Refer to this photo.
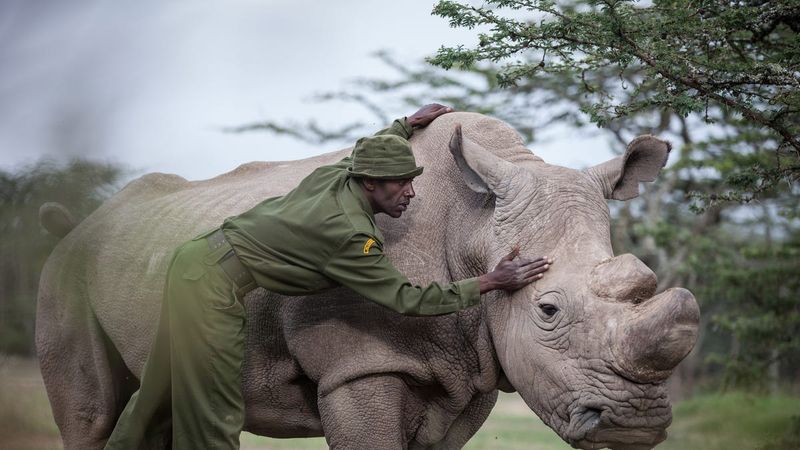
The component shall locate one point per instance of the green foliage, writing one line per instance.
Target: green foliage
(729, 63)
(761, 282)
(790, 439)
(24, 246)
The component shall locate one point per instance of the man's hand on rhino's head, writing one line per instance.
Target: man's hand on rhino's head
(426, 114)
(514, 272)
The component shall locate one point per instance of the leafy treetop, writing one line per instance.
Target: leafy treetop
(733, 63)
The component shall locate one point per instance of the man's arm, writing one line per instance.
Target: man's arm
(362, 266)
(405, 127)
(427, 114)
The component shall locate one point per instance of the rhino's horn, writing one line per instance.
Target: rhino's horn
(623, 278)
(657, 336)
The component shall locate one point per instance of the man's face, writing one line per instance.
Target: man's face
(390, 196)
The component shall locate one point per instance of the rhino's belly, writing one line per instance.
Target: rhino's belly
(281, 400)
(283, 410)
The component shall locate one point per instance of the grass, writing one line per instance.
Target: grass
(711, 422)
(26, 422)
(512, 425)
(733, 420)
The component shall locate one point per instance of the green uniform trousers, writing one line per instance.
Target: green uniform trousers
(190, 395)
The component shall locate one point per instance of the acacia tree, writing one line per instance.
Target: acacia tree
(736, 64)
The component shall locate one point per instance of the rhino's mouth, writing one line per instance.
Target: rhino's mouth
(589, 429)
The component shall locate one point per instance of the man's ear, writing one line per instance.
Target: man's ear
(368, 183)
(482, 171)
(619, 178)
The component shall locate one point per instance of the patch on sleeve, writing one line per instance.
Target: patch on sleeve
(368, 245)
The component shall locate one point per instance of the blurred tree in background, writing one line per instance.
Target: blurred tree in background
(720, 79)
(79, 185)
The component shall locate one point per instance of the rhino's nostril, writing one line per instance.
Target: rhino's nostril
(583, 421)
(591, 417)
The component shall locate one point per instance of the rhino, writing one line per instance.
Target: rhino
(588, 347)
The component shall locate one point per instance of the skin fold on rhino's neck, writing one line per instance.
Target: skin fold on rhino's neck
(469, 256)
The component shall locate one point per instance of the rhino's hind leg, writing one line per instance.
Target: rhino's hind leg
(369, 412)
(86, 381)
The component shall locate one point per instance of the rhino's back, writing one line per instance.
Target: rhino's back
(120, 253)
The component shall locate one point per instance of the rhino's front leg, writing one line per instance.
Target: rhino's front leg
(370, 412)
(469, 421)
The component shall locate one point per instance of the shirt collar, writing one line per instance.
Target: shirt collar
(360, 197)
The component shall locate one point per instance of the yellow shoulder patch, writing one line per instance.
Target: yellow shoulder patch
(368, 245)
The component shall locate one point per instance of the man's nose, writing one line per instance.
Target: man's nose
(410, 191)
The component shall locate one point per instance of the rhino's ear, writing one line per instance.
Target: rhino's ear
(483, 172)
(619, 178)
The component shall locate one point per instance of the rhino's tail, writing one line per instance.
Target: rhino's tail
(56, 219)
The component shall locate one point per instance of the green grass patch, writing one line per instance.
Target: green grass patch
(26, 421)
(734, 420)
(253, 442)
(503, 431)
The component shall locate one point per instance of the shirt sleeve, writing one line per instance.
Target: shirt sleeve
(362, 266)
(399, 127)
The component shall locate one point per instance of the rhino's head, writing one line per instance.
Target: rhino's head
(590, 345)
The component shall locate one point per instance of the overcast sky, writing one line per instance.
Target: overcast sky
(150, 83)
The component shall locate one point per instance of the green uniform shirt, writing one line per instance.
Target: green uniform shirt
(322, 234)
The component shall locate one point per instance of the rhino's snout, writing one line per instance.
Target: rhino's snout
(589, 430)
(658, 335)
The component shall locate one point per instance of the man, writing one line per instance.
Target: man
(320, 235)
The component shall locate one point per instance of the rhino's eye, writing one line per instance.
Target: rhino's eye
(548, 309)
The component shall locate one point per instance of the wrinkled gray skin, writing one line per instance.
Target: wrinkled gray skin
(366, 377)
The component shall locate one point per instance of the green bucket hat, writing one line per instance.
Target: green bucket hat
(385, 157)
